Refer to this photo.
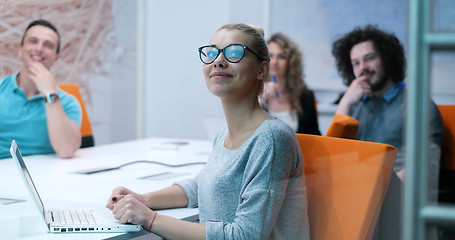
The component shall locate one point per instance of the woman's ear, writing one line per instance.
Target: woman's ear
(263, 70)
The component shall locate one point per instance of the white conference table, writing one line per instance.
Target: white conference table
(59, 185)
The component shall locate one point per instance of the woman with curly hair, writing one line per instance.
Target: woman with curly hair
(286, 95)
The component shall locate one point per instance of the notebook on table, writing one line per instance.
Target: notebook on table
(69, 220)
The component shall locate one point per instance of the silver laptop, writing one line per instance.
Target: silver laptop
(69, 220)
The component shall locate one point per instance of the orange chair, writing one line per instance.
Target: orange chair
(346, 183)
(447, 172)
(343, 126)
(86, 127)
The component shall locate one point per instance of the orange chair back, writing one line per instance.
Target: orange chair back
(346, 184)
(86, 126)
(343, 126)
(447, 164)
(448, 144)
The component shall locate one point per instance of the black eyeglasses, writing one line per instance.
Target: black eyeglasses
(232, 53)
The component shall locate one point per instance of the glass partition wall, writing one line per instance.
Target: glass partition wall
(431, 41)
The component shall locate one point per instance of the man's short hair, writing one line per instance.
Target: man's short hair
(44, 23)
(386, 44)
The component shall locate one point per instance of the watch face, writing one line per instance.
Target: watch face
(50, 98)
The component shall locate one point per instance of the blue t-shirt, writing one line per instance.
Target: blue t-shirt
(24, 120)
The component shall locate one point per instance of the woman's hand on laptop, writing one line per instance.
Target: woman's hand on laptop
(131, 210)
(118, 194)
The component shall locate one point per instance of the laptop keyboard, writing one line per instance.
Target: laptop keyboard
(77, 216)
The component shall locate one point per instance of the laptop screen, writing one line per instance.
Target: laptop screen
(17, 156)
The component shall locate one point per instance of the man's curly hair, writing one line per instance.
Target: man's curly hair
(386, 44)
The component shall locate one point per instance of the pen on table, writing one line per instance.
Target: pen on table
(277, 95)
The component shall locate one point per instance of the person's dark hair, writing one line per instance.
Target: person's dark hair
(386, 44)
(295, 84)
(44, 23)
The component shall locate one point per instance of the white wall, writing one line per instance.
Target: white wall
(113, 108)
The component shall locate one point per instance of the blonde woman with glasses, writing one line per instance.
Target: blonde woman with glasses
(253, 185)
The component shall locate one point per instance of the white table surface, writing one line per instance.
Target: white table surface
(59, 186)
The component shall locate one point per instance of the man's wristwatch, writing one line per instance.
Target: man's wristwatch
(51, 97)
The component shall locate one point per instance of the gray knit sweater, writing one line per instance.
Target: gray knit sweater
(254, 192)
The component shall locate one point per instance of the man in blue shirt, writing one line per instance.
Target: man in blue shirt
(372, 64)
(34, 112)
